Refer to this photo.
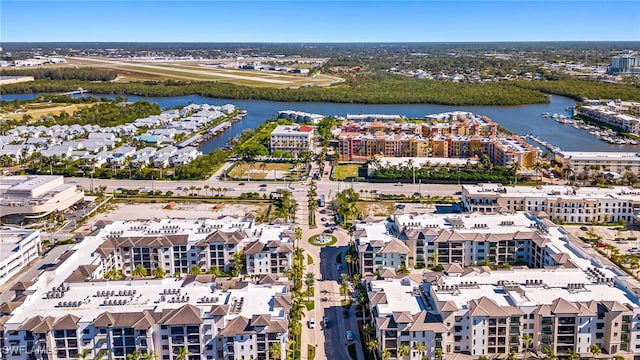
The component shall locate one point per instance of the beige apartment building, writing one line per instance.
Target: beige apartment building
(558, 203)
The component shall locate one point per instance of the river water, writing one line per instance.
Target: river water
(525, 119)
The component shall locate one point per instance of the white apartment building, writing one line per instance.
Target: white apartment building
(167, 317)
(28, 197)
(585, 161)
(613, 116)
(575, 299)
(292, 138)
(176, 246)
(18, 247)
(557, 202)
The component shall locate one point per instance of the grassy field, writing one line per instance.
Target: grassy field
(35, 110)
(345, 171)
(193, 71)
(257, 171)
(375, 208)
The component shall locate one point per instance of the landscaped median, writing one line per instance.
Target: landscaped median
(323, 240)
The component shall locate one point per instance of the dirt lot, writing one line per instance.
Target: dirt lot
(182, 211)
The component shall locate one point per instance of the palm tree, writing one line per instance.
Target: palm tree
(139, 271)
(83, 355)
(275, 350)
(367, 330)
(149, 355)
(237, 263)
(134, 355)
(214, 270)
(386, 354)
(206, 189)
(113, 274)
(349, 260)
(438, 353)
(182, 353)
(572, 355)
(527, 340)
(512, 355)
(195, 270)
(403, 350)
(158, 273)
(372, 346)
(309, 280)
(419, 348)
(595, 348)
(549, 354)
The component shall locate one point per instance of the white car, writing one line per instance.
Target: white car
(349, 335)
(312, 323)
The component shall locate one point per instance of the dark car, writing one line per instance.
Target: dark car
(263, 185)
(240, 184)
(345, 313)
(584, 228)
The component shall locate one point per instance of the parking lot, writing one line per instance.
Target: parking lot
(609, 233)
(181, 210)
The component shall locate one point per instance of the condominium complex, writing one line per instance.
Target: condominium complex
(173, 318)
(378, 249)
(292, 138)
(177, 246)
(18, 247)
(588, 162)
(27, 198)
(70, 307)
(612, 115)
(563, 296)
(556, 202)
(448, 135)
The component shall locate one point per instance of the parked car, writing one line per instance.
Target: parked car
(345, 313)
(349, 335)
(263, 185)
(326, 322)
(601, 245)
(312, 323)
(339, 267)
(323, 219)
(634, 249)
(240, 184)
(398, 184)
(623, 242)
(584, 228)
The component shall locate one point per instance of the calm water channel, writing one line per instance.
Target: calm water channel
(521, 120)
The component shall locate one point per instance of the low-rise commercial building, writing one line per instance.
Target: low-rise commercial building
(27, 198)
(557, 202)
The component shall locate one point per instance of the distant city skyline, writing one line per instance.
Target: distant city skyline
(318, 21)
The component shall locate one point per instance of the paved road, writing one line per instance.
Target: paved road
(31, 272)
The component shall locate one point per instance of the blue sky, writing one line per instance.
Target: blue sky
(318, 21)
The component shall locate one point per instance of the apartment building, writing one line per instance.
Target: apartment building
(171, 318)
(559, 203)
(378, 249)
(571, 301)
(513, 239)
(26, 198)
(176, 246)
(292, 138)
(590, 162)
(612, 115)
(447, 135)
(18, 247)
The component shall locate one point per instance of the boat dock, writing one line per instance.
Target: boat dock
(548, 146)
(198, 139)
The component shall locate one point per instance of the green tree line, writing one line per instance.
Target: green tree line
(82, 74)
(110, 113)
(386, 89)
(579, 89)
